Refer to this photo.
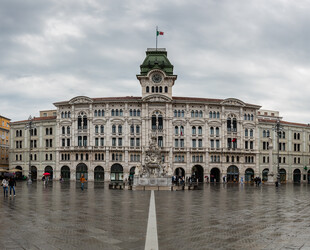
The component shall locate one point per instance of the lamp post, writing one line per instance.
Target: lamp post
(30, 126)
(278, 128)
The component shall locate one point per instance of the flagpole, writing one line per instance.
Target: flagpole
(156, 36)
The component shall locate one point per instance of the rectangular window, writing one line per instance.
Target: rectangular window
(51, 142)
(80, 141)
(246, 145)
(176, 143)
(182, 143)
(96, 142)
(84, 141)
(200, 143)
(68, 142)
(120, 142)
(63, 142)
(101, 142)
(217, 144)
(251, 144)
(212, 143)
(194, 143)
(113, 142)
(132, 142)
(137, 142)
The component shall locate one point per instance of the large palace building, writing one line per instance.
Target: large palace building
(106, 138)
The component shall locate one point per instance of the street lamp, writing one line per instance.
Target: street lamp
(278, 128)
(30, 126)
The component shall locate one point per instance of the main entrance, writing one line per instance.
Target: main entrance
(215, 175)
(179, 172)
(232, 174)
(297, 176)
(197, 173)
(99, 173)
(116, 172)
(65, 173)
(81, 168)
(249, 175)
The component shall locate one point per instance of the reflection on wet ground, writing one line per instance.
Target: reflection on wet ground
(62, 216)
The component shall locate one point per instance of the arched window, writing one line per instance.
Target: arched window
(182, 113)
(175, 113)
(182, 131)
(112, 112)
(283, 135)
(246, 132)
(62, 115)
(166, 89)
(113, 129)
(130, 112)
(193, 130)
(66, 114)
(196, 113)
(69, 114)
(200, 113)
(99, 112)
(138, 129)
(138, 112)
(268, 133)
(63, 130)
(251, 132)
(210, 114)
(193, 113)
(179, 113)
(249, 117)
(51, 131)
(252, 117)
(160, 89)
(211, 131)
(68, 130)
(152, 89)
(217, 131)
(227, 158)
(96, 129)
(147, 89)
(176, 130)
(17, 133)
(214, 114)
(264, 133)
(199, 130)
(120, 129)
(132, 129)
(245, 116)
(156, 88)
(121, 112)
(134, 112)
(116, 112)
(35, 131)
(218, 115)
(101, 129)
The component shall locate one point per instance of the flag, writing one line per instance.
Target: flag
(234, 139)
(160, 33)
(181, 133)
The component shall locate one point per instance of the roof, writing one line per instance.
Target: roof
(37, 119)
(156, 59)
(1, 116)
(285, 122)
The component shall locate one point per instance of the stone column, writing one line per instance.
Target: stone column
(271, 175)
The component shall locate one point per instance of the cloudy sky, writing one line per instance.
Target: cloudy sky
(257, 51)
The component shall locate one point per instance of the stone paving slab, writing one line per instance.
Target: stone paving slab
(62, 216)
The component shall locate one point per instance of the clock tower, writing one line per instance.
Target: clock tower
(156, 76)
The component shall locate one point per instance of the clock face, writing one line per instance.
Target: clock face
(156, 78)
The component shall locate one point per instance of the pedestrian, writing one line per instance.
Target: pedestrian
(82, 180)
(5, 185)
(12, 184)
(43, 179)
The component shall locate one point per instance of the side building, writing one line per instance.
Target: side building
(4, 142)
(34, 148)
(106, 138)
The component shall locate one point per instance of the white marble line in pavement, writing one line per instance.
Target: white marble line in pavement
(151, 241)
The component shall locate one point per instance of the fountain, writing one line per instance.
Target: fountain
(153, 175)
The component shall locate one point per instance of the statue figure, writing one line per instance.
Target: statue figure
(137, 170)
(169, 171)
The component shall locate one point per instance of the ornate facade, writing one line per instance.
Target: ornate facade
(106, 138)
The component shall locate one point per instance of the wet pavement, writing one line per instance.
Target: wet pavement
(229, 216)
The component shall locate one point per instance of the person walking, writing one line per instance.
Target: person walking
(12, 184)
(82, 180)
(5, 185)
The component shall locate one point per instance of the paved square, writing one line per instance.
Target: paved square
(61, 216)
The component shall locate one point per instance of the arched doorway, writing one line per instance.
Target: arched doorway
(215, 175)
(296, 176)
(265, 174)
(249, 175)
(99, 173)
(81, 168)
(19, 175)
(179, 172)
(49, 169)
(197, 173)
(34, 173)
(232, 174)
(282, 175)
(131, 175)
(117, 172)
(65, 172)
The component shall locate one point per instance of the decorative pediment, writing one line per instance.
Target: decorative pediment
(197, 122)
(214, 124)
(65, 123)
(134, 121)
(233, 102)
(117, 121)
(179, 122)
(157, 98)
(99, 121)
(80, 99)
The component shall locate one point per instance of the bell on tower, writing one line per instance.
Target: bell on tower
(156, 74)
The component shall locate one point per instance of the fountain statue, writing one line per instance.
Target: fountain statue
(153, 173)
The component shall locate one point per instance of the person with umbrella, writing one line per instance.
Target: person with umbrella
(45, 178)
